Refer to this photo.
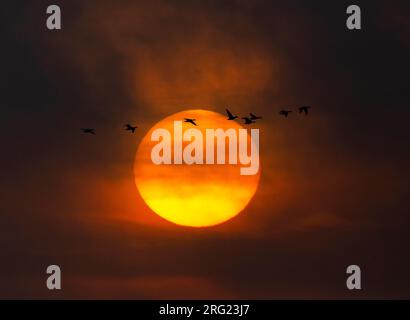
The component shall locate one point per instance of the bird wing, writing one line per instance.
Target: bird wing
(230, 115)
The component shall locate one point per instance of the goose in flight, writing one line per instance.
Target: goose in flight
(192, 121)
(88, 130)
(230, 115)
(129, 127)
(253, 117)
(248, 120)
(304, 109)
(284, 113)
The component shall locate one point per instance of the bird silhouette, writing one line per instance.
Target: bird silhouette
(284, 112)
(88, 130)
(304, 109)
(230, 115)
(129, 127)
(253, 117)
(248, 120)
(192, 121)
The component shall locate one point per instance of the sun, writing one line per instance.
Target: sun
(193, 195)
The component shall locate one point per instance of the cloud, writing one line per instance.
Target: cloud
(333, 189)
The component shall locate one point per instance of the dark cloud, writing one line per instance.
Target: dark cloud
(334, 187)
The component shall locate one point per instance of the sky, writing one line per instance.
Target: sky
(333, 188)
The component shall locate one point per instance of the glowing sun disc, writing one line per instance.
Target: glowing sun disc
(193, 195)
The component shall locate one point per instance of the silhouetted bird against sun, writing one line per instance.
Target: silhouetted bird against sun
(192, 121)
(304, 109)
(284, 113)
(88, 130)
(129, 127)
(230, 115)
(247, 120)
(253, 117)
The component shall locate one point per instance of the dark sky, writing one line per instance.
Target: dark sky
(334, 188)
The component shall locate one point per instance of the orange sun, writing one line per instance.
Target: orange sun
(193, 195)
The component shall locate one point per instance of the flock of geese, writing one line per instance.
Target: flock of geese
(247, 120)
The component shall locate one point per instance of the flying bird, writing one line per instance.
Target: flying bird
(192, 121)
(284, 112)
(304, 109)
(88, 130)
(248, 120)
(129, 127)
(230, 115)
(253, 117)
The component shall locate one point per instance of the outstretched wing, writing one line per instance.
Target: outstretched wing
(190, 121)
(230, 115)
